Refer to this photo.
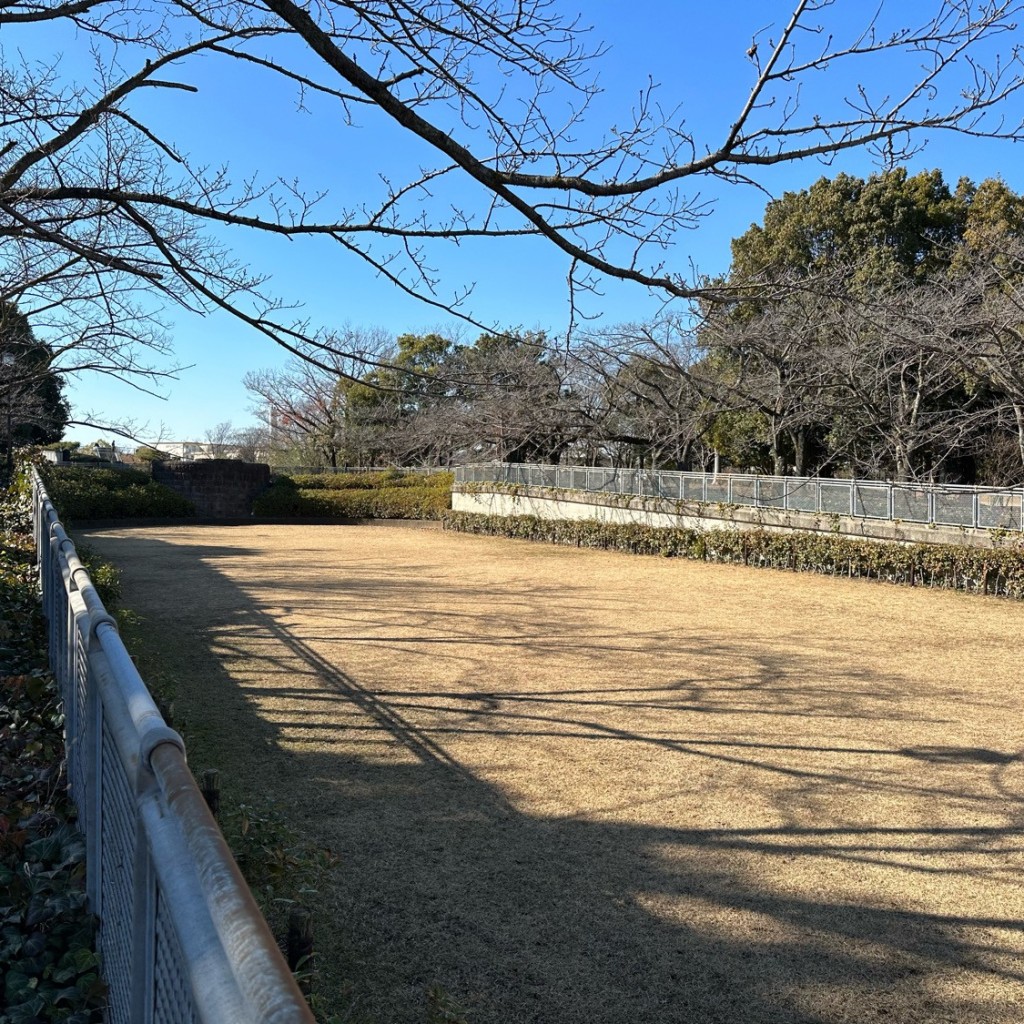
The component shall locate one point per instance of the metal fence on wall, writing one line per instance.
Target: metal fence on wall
(180, 937)
(942, 504)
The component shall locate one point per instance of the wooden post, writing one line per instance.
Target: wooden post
(300, 945)
(210, 786)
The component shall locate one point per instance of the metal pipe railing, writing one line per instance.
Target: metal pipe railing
(181, 937)
(942, 504)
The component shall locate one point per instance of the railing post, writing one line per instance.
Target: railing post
(91, 807)
(143, 962)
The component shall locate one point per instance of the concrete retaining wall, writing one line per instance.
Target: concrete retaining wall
(219, 488)
(552, 503)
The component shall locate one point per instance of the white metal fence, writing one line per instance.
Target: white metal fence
(942, 504)
(338, 470)
(181, 938)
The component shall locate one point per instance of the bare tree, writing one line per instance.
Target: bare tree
(898, 395)
(100, 210)
(880, 381)
(252, 444)
(640, 398)
(308, 406)
(219, 438)
(512, 401)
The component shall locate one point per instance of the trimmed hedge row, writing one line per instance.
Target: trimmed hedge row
(290, 497)
(997, 570)
(82, 493)
(388, 478)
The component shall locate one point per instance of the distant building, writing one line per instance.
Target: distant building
(195, 451)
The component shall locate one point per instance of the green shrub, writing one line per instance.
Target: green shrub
(388, 478)
(282, 498)
(976, 570)
(106, 578)
(404, 497)
(79, 493)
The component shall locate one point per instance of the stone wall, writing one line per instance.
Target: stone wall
(219, 488)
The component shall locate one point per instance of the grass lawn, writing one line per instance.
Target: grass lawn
(577, 786)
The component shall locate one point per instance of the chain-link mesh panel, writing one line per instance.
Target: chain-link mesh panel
(744, 491)
(802, 495)
(55, 591)
(954, 508)
(1000, 511)
(693, 488)
(871, 502)
(835, 497)
(626, 481)
(771, 493)
(911, 504)
(75, 724)
(172, 995)
(717, 489)
(603, 479)
(117, 854)
(671, 486)
(647, 484)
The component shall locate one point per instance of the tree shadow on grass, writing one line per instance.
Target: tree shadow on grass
(897, 899)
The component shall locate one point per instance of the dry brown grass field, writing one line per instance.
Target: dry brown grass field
(573, 786)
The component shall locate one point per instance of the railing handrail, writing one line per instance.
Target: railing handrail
(230, 961)
(957, 505)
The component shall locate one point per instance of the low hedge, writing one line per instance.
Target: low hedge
(80, 493)
(290, 497)
(996, 570)
(388, 478)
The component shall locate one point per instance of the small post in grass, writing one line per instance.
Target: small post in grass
(300, 946)
(210, 786)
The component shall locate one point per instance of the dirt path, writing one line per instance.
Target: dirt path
(573, 786)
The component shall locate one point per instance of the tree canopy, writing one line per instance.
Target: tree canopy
(102, 209)
(888, 343)
(32, 405)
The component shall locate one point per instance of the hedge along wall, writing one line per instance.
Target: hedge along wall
(219, 488)
(996, 570)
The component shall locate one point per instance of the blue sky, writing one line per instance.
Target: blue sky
(695, 51)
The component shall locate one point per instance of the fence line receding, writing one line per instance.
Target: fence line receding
(181, 939)
(941, 504)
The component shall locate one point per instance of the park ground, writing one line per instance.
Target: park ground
(575, 786)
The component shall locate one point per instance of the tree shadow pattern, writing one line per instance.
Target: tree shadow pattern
(674, 827)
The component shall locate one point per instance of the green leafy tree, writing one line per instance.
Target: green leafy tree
(32, 402)
(886, 228)
(849, 347)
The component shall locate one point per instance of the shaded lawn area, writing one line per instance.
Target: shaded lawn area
(576, 786)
